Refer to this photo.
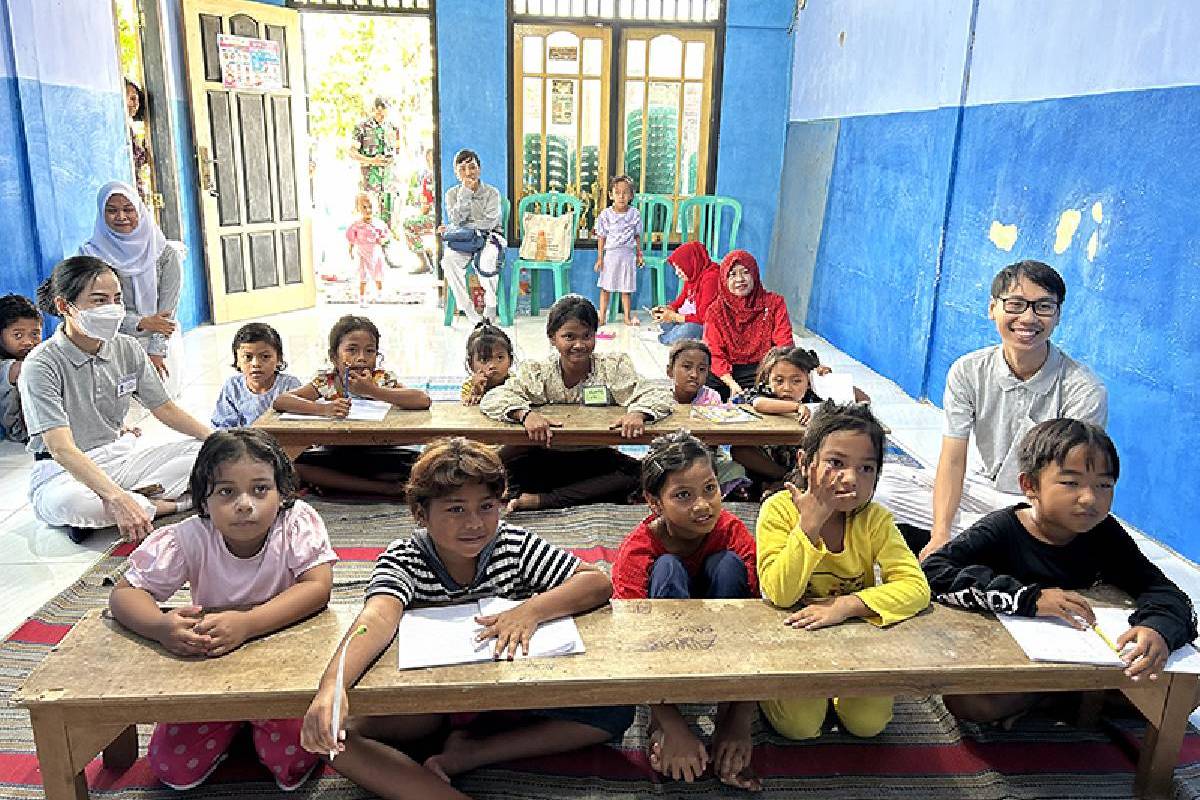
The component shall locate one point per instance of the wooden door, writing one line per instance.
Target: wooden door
(251, 151)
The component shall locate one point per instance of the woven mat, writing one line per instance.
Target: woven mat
(923, 753)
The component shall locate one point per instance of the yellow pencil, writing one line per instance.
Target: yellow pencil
(1107, 640)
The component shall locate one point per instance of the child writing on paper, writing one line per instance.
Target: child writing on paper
(353, 372)
(20, 332)
(254, 551)
(1027, 559)
(461, 552)
(562, 477)
(258, 358)
(619, 248)
(489, 359)
(819, 543)
(690, 547)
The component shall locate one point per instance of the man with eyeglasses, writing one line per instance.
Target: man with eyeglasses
(998, 393)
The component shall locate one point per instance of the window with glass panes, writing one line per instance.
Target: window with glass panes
(565, 138)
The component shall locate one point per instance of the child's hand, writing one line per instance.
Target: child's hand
(338, 408)
(1144, 651)
(360, 382)
(510, 629)
(599, 263)
(316, 732)
(160, 365)
(824, 612)
(803, 414)
(632, 425)
(823, 370)
(678, 754)
(538, 426)
(1070, 607)
(641, 262)
(226, 631)
(177, 632)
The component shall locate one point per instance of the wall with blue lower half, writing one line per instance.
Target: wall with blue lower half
(62, 131)
(1069, 139)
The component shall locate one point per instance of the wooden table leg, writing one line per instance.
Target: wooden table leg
(123, 750)
(294, 450)
(59, 778)
(1164, 738)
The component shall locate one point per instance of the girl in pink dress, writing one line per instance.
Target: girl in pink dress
(368, 235)
(254, 551)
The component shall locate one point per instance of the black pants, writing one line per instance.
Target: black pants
(567, 478)
(916, 538)
(744, 374)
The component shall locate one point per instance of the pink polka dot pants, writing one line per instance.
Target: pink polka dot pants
(183, 754)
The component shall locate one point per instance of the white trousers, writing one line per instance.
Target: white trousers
(59, 499)
(908, 494)
(454, 265)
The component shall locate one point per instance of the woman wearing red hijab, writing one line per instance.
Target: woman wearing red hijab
(683, 318)
(742, 324)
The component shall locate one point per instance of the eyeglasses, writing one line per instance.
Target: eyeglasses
(1017, 305)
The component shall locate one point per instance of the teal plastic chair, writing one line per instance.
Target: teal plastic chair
(658, 218)
(555, 204)
(704, 218)
(504, 307)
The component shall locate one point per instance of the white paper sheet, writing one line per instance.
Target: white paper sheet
(1051, 639)
(360, 409)
(835, 386)
(431, 637)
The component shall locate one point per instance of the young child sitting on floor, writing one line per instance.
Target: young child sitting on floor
(20, 332)
(819, 543)
(258, 358)
(561, 477)
(252, 546)
(690, 547)
(489, 359)
(688, 363)
(353, 373)
(462, 552)
(1029, 558)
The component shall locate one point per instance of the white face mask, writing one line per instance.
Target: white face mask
(100, 322)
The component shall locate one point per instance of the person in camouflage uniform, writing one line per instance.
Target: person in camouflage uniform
(375, 141)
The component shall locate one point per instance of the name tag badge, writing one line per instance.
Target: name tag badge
(596, 396)
(127, 385)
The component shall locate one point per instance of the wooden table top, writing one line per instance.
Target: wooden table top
(582, 425)
(637, 652)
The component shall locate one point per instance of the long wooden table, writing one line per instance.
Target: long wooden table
(86, 695)
(582, 425)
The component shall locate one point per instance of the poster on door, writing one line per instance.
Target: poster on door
(562, 102)
(249, 63)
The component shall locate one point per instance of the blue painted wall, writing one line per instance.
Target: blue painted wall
(62, 133)
(1069, 104)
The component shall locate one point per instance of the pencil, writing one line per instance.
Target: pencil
(1107, 640)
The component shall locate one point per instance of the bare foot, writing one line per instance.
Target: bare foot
(733, 746)
(454, 758)
(634, 321)
(525, 501)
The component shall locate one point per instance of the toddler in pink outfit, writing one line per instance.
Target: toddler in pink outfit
(256, 560)
(367, 235)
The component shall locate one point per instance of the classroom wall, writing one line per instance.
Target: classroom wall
(1071, 144)
(62, 131)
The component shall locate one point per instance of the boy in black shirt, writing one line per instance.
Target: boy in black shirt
(1026, 559)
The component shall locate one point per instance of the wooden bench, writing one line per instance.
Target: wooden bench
(582, 425)
(87, 694)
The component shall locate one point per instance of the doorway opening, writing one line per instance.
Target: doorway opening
(371, 128)
(127, 15)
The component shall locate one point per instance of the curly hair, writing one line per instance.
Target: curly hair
(14, 307)
(450, 464)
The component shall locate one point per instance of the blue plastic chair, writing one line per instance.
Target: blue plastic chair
(555, 204)
(503, 306)
(658, 218)
(704, 218)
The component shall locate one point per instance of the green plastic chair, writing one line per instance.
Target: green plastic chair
(703, 217)
(658, 217)
(555, 204)
(503, 305)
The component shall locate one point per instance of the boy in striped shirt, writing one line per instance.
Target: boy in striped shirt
(462, 552)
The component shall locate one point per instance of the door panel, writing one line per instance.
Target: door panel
(258, 240)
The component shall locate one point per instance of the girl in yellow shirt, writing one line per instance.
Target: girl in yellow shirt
(819, 542)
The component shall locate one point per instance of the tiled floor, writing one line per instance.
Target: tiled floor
(37, 562)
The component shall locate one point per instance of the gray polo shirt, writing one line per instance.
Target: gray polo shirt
(170, 282)
(62, 386)
(983, 395)
(479, 209)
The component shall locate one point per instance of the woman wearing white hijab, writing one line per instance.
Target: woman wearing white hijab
(149, 268)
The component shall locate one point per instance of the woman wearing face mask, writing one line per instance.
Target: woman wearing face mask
(150, 270)
(742, 325)
(89, 471)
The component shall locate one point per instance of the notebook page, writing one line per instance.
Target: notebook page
(556, 638)
(431, 637)
(1051, 639)
(835, 386)
(360, 408)
(1115, 621)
